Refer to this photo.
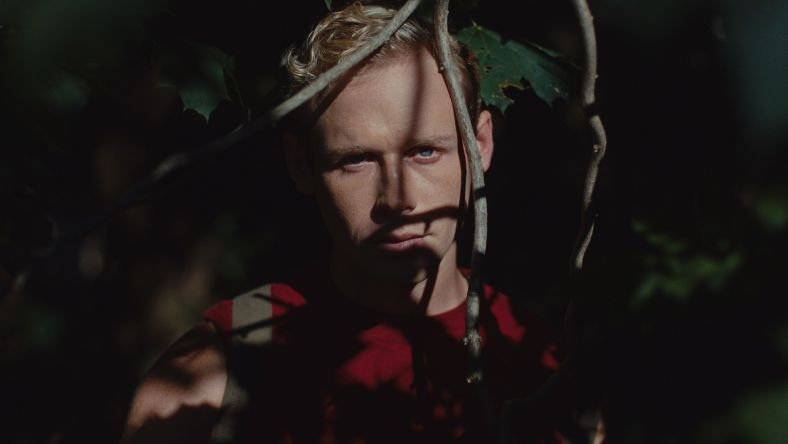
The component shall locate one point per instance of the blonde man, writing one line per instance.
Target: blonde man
(365, 346)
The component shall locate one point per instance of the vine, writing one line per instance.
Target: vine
(587, 96)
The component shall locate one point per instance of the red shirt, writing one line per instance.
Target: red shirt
(335, 372)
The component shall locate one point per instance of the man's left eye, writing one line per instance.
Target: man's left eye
(425, 152)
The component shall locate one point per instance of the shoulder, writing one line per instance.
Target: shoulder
(183, 391)
(253, 310)
(181, 397)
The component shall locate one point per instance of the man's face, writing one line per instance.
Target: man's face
(386, 169)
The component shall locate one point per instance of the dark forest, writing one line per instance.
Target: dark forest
(682, 331)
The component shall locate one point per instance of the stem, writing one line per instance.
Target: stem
(551, 395)
(179, 161)
(472, 338)
(452, 76)
(595, 123)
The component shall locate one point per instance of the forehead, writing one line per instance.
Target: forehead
(390, 102)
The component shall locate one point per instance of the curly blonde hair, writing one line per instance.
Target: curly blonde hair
(343, 32)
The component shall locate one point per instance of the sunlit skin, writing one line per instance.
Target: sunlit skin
(385, 168)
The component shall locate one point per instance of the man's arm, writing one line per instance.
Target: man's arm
(180, 397)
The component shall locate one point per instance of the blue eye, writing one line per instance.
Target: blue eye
(426, 152)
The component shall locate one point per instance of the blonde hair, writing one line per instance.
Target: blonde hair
(343, 32)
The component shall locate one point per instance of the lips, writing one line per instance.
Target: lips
(399, 242)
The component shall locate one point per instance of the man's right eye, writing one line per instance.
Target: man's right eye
(353, 161)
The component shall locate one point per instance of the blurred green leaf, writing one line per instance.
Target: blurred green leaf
(771, 210)
(199, 73)
(763, 416)
(511, 64)
(32, 326)
(58, 53)
(677, 271)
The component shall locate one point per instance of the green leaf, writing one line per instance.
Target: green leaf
(762, 415)
(198, 73)
(328, 4)
(512, 64)
(678, 271)
(771, 210)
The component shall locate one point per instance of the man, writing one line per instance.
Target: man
(366, 345)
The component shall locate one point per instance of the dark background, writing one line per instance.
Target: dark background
(683, 322)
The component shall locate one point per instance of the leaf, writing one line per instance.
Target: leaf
(512, 64)
(678, 271)
(328, 4)
(199, 74)
(761, 415)
(771, 210)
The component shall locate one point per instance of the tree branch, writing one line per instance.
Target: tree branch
(452, 76)
(472, 337)
(595, 122)
(180, 161)
(550, 394)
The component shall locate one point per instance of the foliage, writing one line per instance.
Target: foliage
(506, 64)
(685, 280)
(677, 271)
(200, 75)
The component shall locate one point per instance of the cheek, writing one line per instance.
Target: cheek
(452, 182)
(446, 192)
(345, 207)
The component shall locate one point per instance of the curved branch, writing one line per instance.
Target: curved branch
(452, 76)
(595, 123)
(552, 393)
(472, 338)
(179, 161)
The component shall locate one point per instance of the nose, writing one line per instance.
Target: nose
(395, 192)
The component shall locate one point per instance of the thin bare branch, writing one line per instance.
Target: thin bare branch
(452, 75)
(553, 387)
(335, 72)
(179, 161)
(595, 123)
(472, 338)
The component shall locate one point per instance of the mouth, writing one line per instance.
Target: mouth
(399, 242)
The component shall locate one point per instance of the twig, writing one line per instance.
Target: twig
(335, 72)
(595, 122)
(179, 161)
(452, 76)
(586, 21)
(472, 338)
(551, 390)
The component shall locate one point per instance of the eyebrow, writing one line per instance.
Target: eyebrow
(441, 141)
(334, 154)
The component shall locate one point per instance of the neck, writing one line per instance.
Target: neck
(428, 293)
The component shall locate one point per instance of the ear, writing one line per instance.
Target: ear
(298, 164)
(484, 138)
